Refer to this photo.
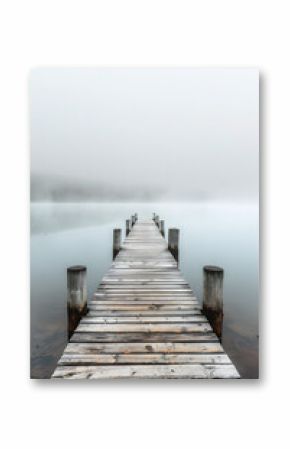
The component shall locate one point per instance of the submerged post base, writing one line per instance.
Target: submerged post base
(215, 319)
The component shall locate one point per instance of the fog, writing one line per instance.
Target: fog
(144, 134)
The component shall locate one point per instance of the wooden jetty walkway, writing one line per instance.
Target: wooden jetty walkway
(144, 321)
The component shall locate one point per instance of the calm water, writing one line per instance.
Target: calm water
(211, 234)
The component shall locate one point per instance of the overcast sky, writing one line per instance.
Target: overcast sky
(188, 133)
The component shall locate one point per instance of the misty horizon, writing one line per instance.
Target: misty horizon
(142, 134)
(50, 188)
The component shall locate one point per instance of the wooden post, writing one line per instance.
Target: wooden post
(136, 217)
(173, 242)
(128, 227)
(162, 230)
(213, 297)
(133, 220)
(76, 296)
(157, 220)
(153, 216)
(116, 242)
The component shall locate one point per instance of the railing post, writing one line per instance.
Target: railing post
(128, 227)
(133, 220)
(153, 218)
(173, 242)
(162, 229)
(116, 242)
(136, 217)
(76, 296)
(213, 297)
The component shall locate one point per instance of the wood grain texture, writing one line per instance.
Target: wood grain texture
(129, 348)
(144, 321)
(129, 337)
(147, 372)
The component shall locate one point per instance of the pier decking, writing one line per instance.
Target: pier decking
(144, 321)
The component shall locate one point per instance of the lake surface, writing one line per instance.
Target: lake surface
(64, 234)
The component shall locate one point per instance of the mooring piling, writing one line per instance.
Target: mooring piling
(128, 227)
(76, 296)
(173, 242)
(116, 241)
(162, 228)
(213, 297)
(157, 221)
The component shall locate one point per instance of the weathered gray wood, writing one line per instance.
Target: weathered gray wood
(116, 241)
(89, 319)
(142, 359)
(142, 313)
(130, 337)
(173, 242)
(143, 287)
(152, 279)
(140, 307)
(144, 320)
(128, 227)
(139, 301)
(147, 328)
(143, 296)
(157, 221)
(135, 348)
(174, 292)
(162, 228)
(213, 297)
(148, 372)
(76, 296)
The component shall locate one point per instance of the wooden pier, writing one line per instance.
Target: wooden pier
(144, 321)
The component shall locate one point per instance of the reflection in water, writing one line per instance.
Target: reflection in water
(211, 234)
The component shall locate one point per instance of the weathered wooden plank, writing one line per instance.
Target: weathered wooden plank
(145, 297)
(143, 286)
(129, 348)
(142, 320)
(133, 290)
(142, 272)
(147, 372)
(137, 297)
(139, 278)
(142, 264)
(150, 294)
(135, 337)
(142, 359)
(142, 302)
(175, 328)
(141, 313)
(143, 307)
(144, 275)
(141, 283)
